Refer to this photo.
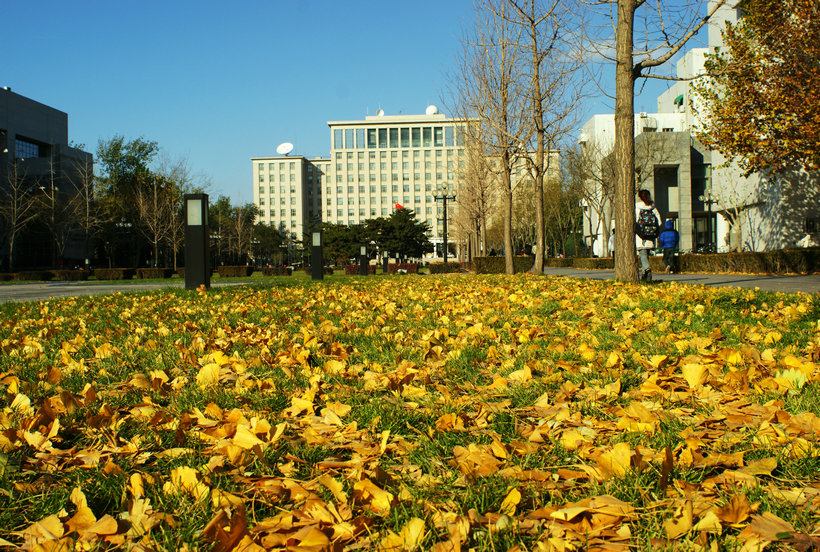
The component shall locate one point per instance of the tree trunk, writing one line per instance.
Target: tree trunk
(508, 209)
(626, 264)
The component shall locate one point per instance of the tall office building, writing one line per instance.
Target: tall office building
(374, 164)
(383, 160)
(288, 191)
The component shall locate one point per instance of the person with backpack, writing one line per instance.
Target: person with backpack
(669, 239)
(647, 226)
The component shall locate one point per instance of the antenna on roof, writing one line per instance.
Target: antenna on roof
(284, 148)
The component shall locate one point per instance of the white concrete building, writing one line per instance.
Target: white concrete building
(712, 203)
(386, 160)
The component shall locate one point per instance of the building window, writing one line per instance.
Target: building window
(416, 137)
(427, 137)
(382, 138)
(24, 149)
(438, 137)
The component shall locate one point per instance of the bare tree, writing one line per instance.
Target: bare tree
(476, 197)
(86, 215)
(549, 69)
(489, 99)
(666, 26)
(153, 205)
(17, 208)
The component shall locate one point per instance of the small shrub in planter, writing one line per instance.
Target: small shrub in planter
(153, 273)
(354, 269)
(114, 273)
(497, 265)
(35, 275)
(71, 275)
(445, 268)
(405, 268)
(593, 263)
(327, 271)
(277, 271)
(234, 271)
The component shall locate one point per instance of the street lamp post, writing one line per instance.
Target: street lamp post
(363, 260)
(197, 258)
(708, 200)
(444, 197)
(316, 262)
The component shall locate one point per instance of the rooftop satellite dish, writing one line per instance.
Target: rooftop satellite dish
(284, 148)
(431, 110)
(380, 113)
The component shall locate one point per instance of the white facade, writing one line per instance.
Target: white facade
(715, 203)
(288, 191)
(384, 160)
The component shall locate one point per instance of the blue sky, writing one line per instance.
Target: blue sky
(219, 82)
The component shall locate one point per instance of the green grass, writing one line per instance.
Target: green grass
(417, 379)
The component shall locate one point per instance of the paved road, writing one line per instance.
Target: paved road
(789, 284)
(49, 290)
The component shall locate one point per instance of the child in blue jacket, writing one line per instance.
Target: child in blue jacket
(669, 239)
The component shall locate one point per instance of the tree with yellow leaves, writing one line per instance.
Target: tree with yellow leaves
(760, 102)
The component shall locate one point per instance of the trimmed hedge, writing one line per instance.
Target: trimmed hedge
(152, 273)
(114, 273)
(591, 263)
(497, 265)
(7, 276)
(410, 268)
(446, 268)
(277, 271)
(234, 271)
(35, 275)
(71, 275)
(327, 271)
(354, 269)
(783, 261)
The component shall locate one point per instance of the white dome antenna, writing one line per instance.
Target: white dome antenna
(431, 110)
(380, 113)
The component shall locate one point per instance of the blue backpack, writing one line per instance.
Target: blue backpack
(647, 226)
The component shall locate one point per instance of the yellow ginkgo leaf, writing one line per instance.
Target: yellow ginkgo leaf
(694, 374)
(510, 501)
(208, 375)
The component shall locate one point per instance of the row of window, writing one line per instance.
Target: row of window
(395, 165)
(394, 177)
(383, 199)
(383, 189)
(291, 166)
(405, 154)
(396, 137)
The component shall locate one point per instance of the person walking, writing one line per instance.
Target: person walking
(647, 225)
(669, 239)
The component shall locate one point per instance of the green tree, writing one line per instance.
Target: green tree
(219, 223)
(124, 172)
(341, 242)
(267, 242)
(401, 234)
(760, 102)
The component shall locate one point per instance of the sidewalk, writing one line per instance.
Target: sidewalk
(809, 283)
(51, 290)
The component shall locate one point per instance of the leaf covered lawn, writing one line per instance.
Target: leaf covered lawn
(446, 413)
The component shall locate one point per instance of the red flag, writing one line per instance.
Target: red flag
(398, 206)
